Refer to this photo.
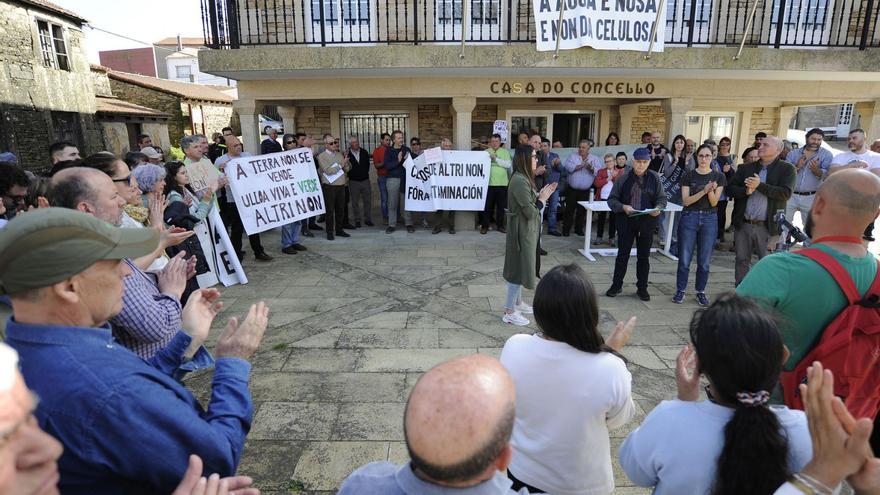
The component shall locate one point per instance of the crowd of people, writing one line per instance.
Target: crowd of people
(99, 265)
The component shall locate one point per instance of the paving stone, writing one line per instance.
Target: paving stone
(643, 356)
(294, 421)
(388, 338)
(339, 360)
(408, 359)
(270, 462)
(418, 319)
(370, 421)
(331, 387)
(381, 320)
(324, 465)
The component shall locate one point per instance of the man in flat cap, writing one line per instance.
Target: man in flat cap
(126, 425)
(637, 190)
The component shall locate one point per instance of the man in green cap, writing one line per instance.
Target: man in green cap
(126, 425)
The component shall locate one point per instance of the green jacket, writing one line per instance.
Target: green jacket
(523, 228)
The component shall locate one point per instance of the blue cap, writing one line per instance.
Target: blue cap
(641, 154)
(8, 157)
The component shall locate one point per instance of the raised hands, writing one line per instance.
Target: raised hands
(197, 316)
(621, 334)
(193, 483)
(687, 374)
(242, 340)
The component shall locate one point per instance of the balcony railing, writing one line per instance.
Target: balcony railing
(777, 23)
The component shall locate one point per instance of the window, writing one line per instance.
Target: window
(809, 14)
(65, 127)
(450, 12)
(52, 46)
(485, 11)
(331, 12)
(355, 12)
(183, 71)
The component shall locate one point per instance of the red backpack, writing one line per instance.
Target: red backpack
(849, 347)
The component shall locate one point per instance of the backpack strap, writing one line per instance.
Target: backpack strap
(873, 294)
(837, 272)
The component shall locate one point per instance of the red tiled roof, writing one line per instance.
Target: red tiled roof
(115, 105)
(183, 89)
(51, 7)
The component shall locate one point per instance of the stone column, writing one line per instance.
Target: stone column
(627, 114)
(250, 134)
(676, 110)
(869, 115)
(463, 106)
(785, 116)
(288, 118)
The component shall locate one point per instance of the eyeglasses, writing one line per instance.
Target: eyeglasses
(289, 142)
(704, 155)
(17, 199)
(126, 180)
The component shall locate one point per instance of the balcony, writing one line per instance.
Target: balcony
(777, 23)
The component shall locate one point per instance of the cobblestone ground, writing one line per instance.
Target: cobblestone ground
(354, 322)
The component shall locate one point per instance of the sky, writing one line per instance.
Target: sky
(146, 21)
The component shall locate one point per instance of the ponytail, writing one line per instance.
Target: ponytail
(754, 459)
(740, 351)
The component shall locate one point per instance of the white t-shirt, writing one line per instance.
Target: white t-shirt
(566, 401)
(676, 447)
(869, 157)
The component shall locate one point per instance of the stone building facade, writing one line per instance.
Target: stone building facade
(193, 108)
(46, 88)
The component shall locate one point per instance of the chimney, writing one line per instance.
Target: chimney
(179, 43)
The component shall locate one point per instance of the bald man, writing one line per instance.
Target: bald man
(760, 189)
(457, 426)
(804, 293)
(875, 146)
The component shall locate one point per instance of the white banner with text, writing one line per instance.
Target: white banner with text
(601, 24)
(447, 180)
(275, 189)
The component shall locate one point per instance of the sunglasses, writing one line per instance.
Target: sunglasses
(126, 180)
(289, 142)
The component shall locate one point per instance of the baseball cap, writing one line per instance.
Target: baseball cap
(48, 245)
(151, 152)
(641, 154)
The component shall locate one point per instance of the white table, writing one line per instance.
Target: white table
(592, 206)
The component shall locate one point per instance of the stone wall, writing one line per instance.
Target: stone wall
(435, 123)
(31, 92)
(650, 118)
(764, 119)
(485, 113)
(314, 121)
(819, 116)
(215, 117)
(178, 124)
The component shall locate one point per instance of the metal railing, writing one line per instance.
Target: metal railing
(777, 23)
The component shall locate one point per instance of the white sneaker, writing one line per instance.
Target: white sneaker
(515, 319)
(524, 309)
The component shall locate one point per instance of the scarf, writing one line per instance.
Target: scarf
(138, 213)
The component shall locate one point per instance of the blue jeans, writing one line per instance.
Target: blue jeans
(290, 234)
(514, 296)
(383, 195)
(698, 229)
(553, 206)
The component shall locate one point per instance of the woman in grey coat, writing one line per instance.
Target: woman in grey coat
(523, 226)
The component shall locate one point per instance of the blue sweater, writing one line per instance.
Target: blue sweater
(393, 166)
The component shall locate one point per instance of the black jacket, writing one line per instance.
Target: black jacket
(653, 195)
(781, 177)
(270, 145)
(177, 214)
(360, 168)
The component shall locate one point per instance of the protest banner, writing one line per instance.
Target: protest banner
(601, 24)
(500, 128)
(223, 265)
(202, 174)
(275, 189)
(458, 182)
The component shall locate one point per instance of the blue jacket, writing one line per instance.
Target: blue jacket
(126, 425)
(393, 166)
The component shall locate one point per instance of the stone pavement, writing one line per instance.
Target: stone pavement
(354, 322)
